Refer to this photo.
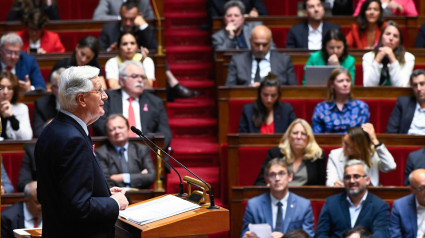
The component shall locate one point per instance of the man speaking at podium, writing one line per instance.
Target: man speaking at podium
(75, 198)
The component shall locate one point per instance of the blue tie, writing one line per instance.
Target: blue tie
(279, 218)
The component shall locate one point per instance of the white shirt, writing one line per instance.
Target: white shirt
(420, 210)
(3, 68)
(35, 45)
(29, 219)
(136, 108)
(274, 201)
(265, 67)
(417, 127)
(355, 211)
(315, 37)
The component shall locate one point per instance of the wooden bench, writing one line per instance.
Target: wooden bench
(316, 194)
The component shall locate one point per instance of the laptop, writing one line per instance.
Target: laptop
(318, 75)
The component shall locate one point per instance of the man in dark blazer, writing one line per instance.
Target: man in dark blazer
(130, 21)
(110, 10)
(402, 119)
(216, 8)
(138, 170)
(415, 160)
(28, 171)
(405, 211)
(298, 36)
(152, 118)
(24, 66)
(338, 211)
(241, 71)
(296, 211)
(72, 189)
(24, 214)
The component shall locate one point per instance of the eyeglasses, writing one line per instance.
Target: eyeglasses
(275, 175)
(355, 177)
(101, 91)
(135, 76)
(9, 52)
(419, 189)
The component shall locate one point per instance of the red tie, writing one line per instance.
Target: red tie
(35, 222)
(8, 68)
(131, 117)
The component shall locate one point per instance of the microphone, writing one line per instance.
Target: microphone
(141, 135)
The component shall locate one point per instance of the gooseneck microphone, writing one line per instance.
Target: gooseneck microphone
(141, 135)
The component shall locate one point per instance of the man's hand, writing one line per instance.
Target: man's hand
(6, 109)
(249, 234)
(112, 47)
(277, 234)
(145, 171)
(253, 13)
(139, 21)
(121, 200)
(144, 52)
(117, 190)
(255, 84)
(25, 86)
(117, 177)
(231, 30)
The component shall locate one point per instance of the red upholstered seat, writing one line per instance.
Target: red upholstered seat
(12, 164)
(70, 39)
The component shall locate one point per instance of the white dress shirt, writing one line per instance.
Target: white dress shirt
(274, 201)
(417, 127)
(136, 108)
(265, 67)
(355, 211)
(315, 37)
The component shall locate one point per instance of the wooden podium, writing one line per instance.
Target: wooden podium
(195, 223)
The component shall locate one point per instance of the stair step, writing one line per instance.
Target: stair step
(193, 127)
(189, 20)
(189, 54)
(191, 37)
(184, 5)
(201, 108)
(195, 70)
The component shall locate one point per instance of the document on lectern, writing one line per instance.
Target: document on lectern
(157, 209)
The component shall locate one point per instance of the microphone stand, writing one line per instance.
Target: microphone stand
(141, 135)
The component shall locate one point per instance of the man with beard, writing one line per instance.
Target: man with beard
(281, 209)
(355, 207)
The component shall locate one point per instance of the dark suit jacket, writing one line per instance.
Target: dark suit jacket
(28, 168)
(239, 72)
(44, 110)
(403, 222)
(402, 115)
(216, 7)
(153, 121)
(12, 218)
(415, 160)
(334, 218)
(111, 32)
(27, 65)
(420, 38)
(283, 115)
(71, 187)
(316, 171)
(298, 34)
(298, 213)
(139, 158)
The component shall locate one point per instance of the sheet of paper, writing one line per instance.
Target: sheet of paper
(261, 230)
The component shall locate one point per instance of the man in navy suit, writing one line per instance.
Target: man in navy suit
(24, 214)
(415, 160)
(355, 207)
(408, 213)
(72, 189)
(24, 66)
(281, 209)
(309, 34)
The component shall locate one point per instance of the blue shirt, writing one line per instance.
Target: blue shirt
(327, 118)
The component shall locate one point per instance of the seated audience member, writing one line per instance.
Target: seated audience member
(297, 234)
(267, 114)
(141, 108)
(334, 52)
(15, 119)
(357, 232)
(36, 38)
(309, 34)
(254, 8)
(6, 185)
(420, 38)
(124, 163)
(359, 143)
(415, 160)
(248, 68)
(389, 63)
(85, 53)
(365, 33)
(300, 151)
(393, 8)
(282, 210)
(27, 173)
(407, 115)
(339, 7)
(46, 108)
(340, 111)
(20, 63)
(110, 10)
(237, 32)
(354, 207)
(24, 214)
(21, 7)
(408, 213)
(128, 47)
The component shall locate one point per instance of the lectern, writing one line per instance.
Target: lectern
(195, 223)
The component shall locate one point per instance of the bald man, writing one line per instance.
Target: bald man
(408, 212)
(248, 68)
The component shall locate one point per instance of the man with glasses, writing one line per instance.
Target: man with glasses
(75, 197)
(354, 207)
(281, 209)
(24, 66)
(408, 213)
